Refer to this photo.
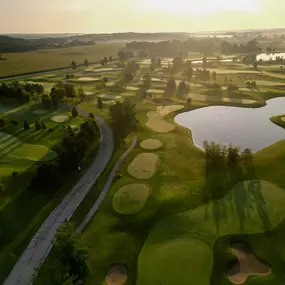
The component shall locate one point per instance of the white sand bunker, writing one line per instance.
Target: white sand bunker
(117, 275)
(283, 119)
(130, 199)
(239, 101)
(110, 97)
(143, 166)
(110, 84)
(155, 91)
(151, 144)
(88, 79)
(132, 88)
(156, 120)
(40, 112)
(247, 265)
(88, 93)
(60, 119)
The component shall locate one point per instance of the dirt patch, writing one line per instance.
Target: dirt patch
(60, 119)
(117, 275)
(143, 166)
(247, 265)
(130, 199)
(151, 144)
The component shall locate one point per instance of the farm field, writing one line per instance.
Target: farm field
(41, 60)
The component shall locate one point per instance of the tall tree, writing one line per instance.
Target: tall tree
(86, 63)
(74, 112)
(73, 65)
(99, 103)
(26, 125)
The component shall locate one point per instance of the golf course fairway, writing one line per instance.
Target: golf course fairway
(179, 248)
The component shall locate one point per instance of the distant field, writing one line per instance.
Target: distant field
(23, 62)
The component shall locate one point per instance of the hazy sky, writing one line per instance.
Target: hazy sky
(98, 16)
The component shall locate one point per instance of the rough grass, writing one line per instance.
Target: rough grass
(130, 199)
(143, 166)
(251, 207)
(151, 144)
(40, 60)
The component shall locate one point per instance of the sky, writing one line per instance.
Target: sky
(107, 16)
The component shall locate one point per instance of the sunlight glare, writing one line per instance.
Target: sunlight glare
(201, 6)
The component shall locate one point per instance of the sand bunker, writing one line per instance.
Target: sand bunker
(155, 91)
(283, 119)
(110, 97)
(247, 265)
(156, 120)
(132, 88)
(239, 101)
(60, 119)
(151, 144)
(40, 112)
(165, 110)
(88, 79)
(88, 93)
(130, 199)
(117, 275)
(143, 166)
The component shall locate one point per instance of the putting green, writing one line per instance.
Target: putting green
(12, 148)
(40, 112)
(60, 118)
(151, 144)
(143, 166)
(130, 199)
(179, 248)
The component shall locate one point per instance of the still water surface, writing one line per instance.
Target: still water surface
(242, 127)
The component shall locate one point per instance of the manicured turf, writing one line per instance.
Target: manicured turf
(130, 199)
(143, 166)
(179, 246)
(17, 63)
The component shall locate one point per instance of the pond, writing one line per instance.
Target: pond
(271, 56)
(242, 127)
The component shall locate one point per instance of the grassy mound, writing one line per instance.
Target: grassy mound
(180, 246)
(40, 112)
(143, 166)
(130, 199)
(151, 144)
(60, 118)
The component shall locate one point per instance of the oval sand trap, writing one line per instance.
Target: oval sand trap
(117, 275)
(132, 88)
(40, 112)
(165, 110)
(88, 93)
(60, 118)
(155, 91)
(247, 265)
(151, 144)
(143, 166)
(130, 199)
(88, 79)
(283, 119)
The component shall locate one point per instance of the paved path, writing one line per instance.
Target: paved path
(41, 244)
(107, 186)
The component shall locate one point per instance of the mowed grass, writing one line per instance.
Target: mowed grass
(179, 247)
(41, 60)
